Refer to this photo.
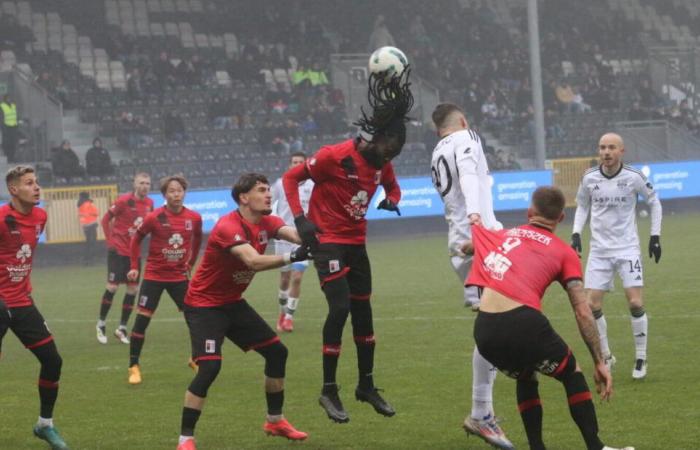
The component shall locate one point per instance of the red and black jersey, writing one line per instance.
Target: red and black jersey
(521, 262)
(222, 277)
(19, 234)
(344, 186)
(175, 241)
(128, 211)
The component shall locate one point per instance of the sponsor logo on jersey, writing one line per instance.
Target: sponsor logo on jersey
(24, 253)
(175, 240)
(175, 253)
(137, 223)
(596, 188)
(358, 205)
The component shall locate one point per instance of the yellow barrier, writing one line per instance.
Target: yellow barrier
(567, 174)
(61, 205)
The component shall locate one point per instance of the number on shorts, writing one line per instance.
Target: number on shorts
(635, 267)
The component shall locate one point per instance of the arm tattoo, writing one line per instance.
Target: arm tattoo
(584, 318)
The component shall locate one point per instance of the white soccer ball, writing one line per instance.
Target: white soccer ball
(387, 61)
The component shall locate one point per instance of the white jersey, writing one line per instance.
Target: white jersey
(612, 203)
(280, 206)
(461, 176)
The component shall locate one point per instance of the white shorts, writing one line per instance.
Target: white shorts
(600, 272)
(282, 247)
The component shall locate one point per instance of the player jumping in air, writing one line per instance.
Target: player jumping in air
(291, 275)
(610, 193)
(21, 224)
(460, 174)
(514, 268)
(119, 225)
(176, 235)
(346, 176)
(215, 308)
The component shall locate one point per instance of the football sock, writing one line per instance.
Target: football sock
(101, 323)
(49, 375)
(331, 353)
(138, 335)
(640, 326)
(189, 421)
(582, 409)
(530, 408)
(363, 334)
(127, 307)
(337, 294)
(602, 331)
(282, 297)
(183, 439)
(44, 422)
(483, 376)
(105, 304)
(275, 400)
(290, 307)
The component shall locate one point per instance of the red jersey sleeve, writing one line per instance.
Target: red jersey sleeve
(320, 166)
(571, 266)
(273, 225)
(229, 235)
(290, 183)
(391, 186)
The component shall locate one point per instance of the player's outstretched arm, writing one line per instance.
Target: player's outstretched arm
(257, 262)
(289, 234)
(589, 332)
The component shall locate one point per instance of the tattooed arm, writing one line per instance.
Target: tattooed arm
(584, 318)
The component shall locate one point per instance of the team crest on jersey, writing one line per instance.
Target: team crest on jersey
(333, 266)
(377, 177)
(262, 237)
(621, 184)
(175, 240)
(24, 252)
(188, 225)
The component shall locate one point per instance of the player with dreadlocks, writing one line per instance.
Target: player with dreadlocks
(346, 175)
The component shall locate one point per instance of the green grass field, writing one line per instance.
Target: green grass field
(424, 345)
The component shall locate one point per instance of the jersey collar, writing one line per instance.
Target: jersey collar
(613, 175)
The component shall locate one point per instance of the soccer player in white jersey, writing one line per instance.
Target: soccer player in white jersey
(610, 193)
(461, 176)
(291, 274)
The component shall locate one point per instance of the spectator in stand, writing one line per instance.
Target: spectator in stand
(134, 130)
(565, 96)
(577, 104)
(88, 214)
(189, 71)
(309, 127)
(65, 162)
(220, 113)
(134, 85)
(174, 127)
(164, 71)
(97, 160)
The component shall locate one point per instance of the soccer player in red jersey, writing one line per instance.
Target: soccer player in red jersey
(215, 308)
(346, 176)
(21, 224)
(119, 225)
(176, 235)
(514, 268)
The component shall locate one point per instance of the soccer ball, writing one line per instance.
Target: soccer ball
(387, 61)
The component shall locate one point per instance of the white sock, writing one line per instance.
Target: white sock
(282, 296)
(483, 376)
(603, 332)
(42, 422)
(101, 323)
(471, 295)
(183, 439)
(292, 303)
(640, 327)
(274, 418)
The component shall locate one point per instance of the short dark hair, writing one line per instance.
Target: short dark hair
(165, 181)
(245, 183)
(16, 173)
(442, 112)
(549, 201)
(297, 154)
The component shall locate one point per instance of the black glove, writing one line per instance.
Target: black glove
(389, 206)
(307, 232)
(655, 248)
(299, 254)
(576, 243)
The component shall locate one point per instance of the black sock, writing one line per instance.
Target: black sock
(48, 392)
(330, 367)
(106, 304)
(530, 409)
(189, 421)
(582, 409)
(365, 361)
(138, 336)
(127, 307)
(275, 400)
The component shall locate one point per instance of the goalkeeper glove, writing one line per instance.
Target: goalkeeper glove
(655, 248)
(389, 206)
(576, 243)
(307, 232)
(299, 254)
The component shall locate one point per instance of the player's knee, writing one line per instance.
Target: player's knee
(206, 374)
(275, 359)
(112, 288)
(131, 289)
(637, 308)
(570, 367)
(141, 323)
(51, 364)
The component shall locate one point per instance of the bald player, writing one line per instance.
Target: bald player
(610, 192)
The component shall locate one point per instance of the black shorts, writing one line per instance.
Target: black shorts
(118, 266)
(238, 322)
(335, 261)
(520, 342)
(29, 326)
(151, 291)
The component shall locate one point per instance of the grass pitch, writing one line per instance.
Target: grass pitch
(423, 357)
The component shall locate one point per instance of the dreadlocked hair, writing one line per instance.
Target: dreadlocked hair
(390, 101)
